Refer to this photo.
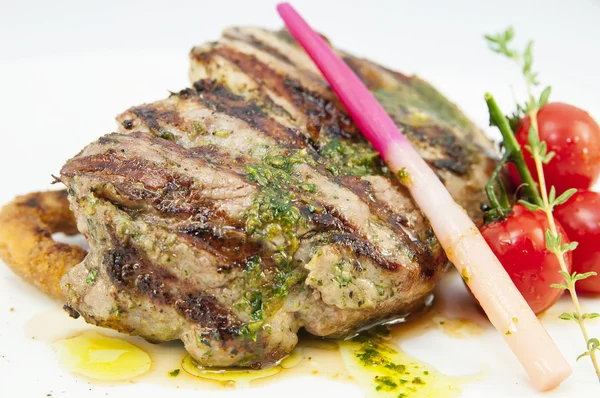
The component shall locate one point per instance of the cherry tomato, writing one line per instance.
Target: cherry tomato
(580, 217)
(519, 243)
(575, 138)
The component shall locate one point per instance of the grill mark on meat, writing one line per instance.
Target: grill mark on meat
(260, 72)
(273, 104)
(106, 140)
(205, 310)
(111, 164)
(326, 221)
(209, 85)
(373, 81)
(173, 119)
(212, 155)
(364, 190)
(168, 193)
(329, 115)
(248, 64)
(128, 268)
(161, 188)
(457, 158)
(285, 35)
(321, 112)
(229, 245)
(259, 45)
(363, 247)
(218, 98)
(166, 202)
(149, 115)
(330, 219)
(450, 165)
(204, 230)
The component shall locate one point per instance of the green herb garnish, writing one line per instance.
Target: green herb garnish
(91, 278)
(167, 135)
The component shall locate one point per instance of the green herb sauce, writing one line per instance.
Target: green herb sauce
(384, 371)
(419, 97)
(92, 275)
(352, 158)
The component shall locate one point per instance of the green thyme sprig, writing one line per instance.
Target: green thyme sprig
(502, 43)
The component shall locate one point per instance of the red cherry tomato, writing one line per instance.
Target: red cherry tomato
(575, 138)
(580, 217)
(519, 243)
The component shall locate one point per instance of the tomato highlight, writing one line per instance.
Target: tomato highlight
(519, 243)
(580, 217)
(574, 137)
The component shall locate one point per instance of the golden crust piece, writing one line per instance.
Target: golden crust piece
(26, 244)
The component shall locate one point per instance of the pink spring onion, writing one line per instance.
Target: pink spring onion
(460, 238)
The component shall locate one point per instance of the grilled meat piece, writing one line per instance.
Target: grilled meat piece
(236, 212)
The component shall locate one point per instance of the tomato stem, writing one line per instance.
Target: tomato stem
(513, 149)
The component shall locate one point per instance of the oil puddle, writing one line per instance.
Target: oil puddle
(312, 357)
(239, 378)
(103, 358)
(373, 360)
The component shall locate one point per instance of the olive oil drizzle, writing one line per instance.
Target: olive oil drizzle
(102, 358)
(372, 360)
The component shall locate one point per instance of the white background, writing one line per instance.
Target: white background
(67, 68)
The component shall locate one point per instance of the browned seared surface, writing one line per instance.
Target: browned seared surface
(239, 210)
(272, 68)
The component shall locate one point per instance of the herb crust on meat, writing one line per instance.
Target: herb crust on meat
(248, 206)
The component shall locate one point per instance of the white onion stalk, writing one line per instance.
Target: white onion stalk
(465, 247)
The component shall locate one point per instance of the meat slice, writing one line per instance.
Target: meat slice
(235, 212)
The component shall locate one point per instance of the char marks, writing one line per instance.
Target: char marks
(258, 44)
(220, 153)
(323, 114)
(206, 311)
(236, 211)
(128, 268)
(218, 98)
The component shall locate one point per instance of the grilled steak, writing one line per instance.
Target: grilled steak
(237, 211)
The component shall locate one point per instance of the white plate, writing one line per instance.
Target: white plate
(67, 68)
